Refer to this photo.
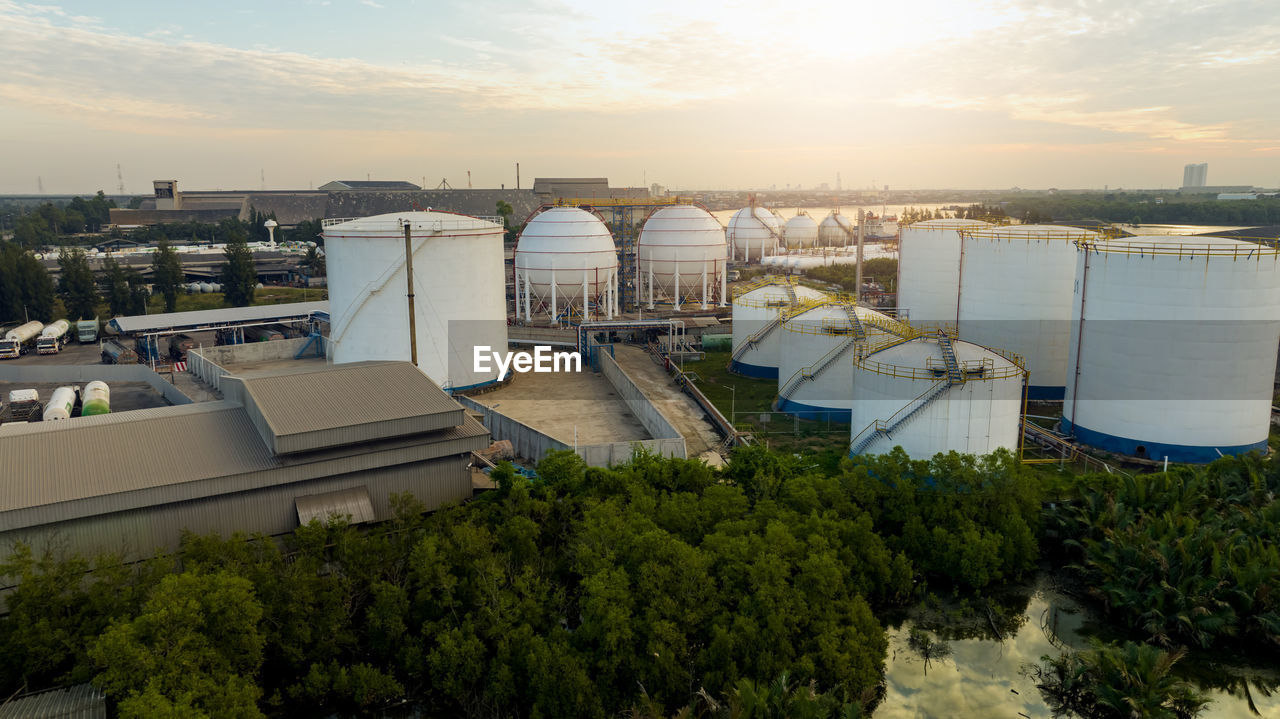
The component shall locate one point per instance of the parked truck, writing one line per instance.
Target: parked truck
(179, 345)
(115, 353)
(53, 338)
(16, 341)
(87, 331)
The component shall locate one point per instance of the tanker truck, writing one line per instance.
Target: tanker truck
(53, 338)
(16, 340)
(87, 331)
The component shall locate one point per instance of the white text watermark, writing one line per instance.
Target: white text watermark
(542, 359)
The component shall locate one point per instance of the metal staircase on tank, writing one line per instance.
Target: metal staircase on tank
(791, 293)
(857, 334)
(759, 335)
(955, 376)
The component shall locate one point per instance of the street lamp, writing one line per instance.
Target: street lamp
(733, 405)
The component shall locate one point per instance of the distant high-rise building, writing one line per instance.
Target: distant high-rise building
(1195, 175)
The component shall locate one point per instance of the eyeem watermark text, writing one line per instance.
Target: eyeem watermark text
(542, 359)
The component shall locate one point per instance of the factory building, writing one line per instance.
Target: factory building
(1173, 351)
(281, 449)
(459, 300)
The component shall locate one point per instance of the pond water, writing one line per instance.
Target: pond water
(983, 677)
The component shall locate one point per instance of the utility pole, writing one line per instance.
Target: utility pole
(862, 223)
(408, 271)
(517, 175)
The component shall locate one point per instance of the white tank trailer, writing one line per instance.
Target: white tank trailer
(800, 232)
(12, 344)
(96, 399)
(929, 271)
(459, 295)
(935, 394)
(757, 318)
(681, 256)
(60, 404)
(52, 337)
(815, 371)
(1015, 294)
(1173, 349)
(566, 265)
(753, 234)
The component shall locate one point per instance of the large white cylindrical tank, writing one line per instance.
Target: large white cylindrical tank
(1173, 352)
(96, 399)
(57, 328)
(459, 288)
(61, 402)
(906, 399)
(25, 332)
(815, 367)
(836, 230)
(681, 254)
(566, 266)
(206, 288)
(929, 270)
(800, 231)
(753, 233)
(756, 325)
(1015, 294)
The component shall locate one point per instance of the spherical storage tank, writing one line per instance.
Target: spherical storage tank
(756, 323)
(459, 288)
(566, 261)
(681, 253)
(815, 366)
(1015, 294)
(910, 395)
(753, 233)
(801, 231)
(1174, 348)
(929, 270)
(836, 230)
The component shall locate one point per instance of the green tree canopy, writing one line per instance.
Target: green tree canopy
(77, 285)
(239, 274)
(167, 274)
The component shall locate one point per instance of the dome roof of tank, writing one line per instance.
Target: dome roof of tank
(682, 225)
(426, 220)
(743, 217)
(564, 229)
(948, 223)
(802, 221)
(917, 352)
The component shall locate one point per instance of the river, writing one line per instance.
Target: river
(983, 677)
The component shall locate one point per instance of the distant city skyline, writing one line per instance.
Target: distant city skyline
(935, 94)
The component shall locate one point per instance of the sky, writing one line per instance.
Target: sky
(290, 94)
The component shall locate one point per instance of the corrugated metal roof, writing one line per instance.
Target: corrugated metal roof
(81, 701)
(353, 503)
(303, 410)
(222, 316)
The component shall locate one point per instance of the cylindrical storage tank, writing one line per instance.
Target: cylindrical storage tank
(1015, 294)
(192, 287)
(25, 332)
(96, 399)
(215, 287)
(681, 255)
(459, 288)
(566, 266)
(56, 328)
(205, 287)
(753, 233)
(61, 402)
(929, 270)
(815, 370)
(801, 231)
(756, 324)
(907, 397)
(1173, 351)
(836, 230)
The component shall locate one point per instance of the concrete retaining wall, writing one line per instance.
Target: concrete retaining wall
(79, 374)
(208, 371)
(526, 441)
(667, 440)
(226, 355)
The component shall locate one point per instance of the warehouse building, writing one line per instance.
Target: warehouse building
(281, 449)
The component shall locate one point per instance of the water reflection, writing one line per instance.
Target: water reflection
(982, 675)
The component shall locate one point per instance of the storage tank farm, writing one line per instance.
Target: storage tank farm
(836, 230)
(458, 283)
(566, 266)
(929, 270)
(936, 394)
(680, 257)
(800, 232)
(758, 312)
(1173, 351)
(1015, 288)
(815, 366)
(753, 233)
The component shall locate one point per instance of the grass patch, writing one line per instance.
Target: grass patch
(215, 300)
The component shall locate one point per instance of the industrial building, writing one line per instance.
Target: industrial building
(280, 449)
(457, 288)
(1173, 352)
(1195, 175)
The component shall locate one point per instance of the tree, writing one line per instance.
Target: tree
(115, 288)
(314, 262)
(26, 290)
(1117, 682)
(505, 211)
(194, 650)
(239, 274)
(77, 285)
(167, 274)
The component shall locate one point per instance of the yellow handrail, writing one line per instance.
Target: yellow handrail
(1190, 250)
